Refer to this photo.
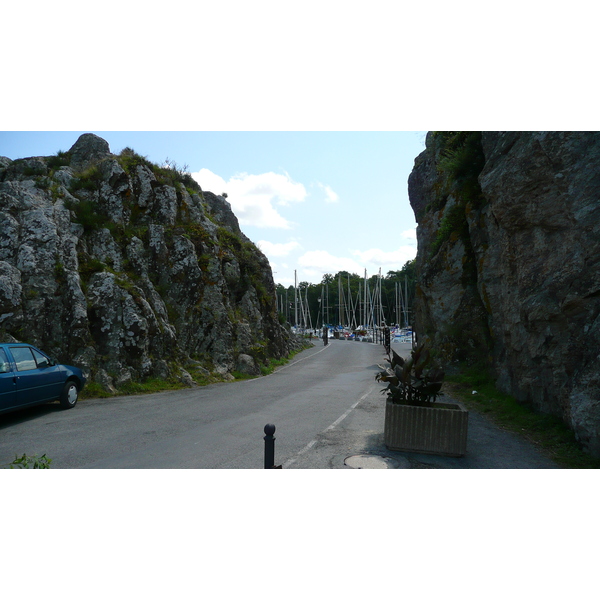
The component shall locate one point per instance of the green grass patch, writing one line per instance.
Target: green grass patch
(89, 180)
(154, 385)
(547, 432)
(272, 364)
(60, 159)
(149, 386)
(268, 368)
(168, 174)
(94, 390)
(239, 376)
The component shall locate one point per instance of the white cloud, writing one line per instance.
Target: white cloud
(252, 197)
(272, 185)
(316, 263)
(375, 258)
(285, 281)
(271, 249)
(320, 261)
(410, 234)
(210, 181)
(330, 195)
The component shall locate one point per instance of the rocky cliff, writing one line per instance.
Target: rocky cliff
(130, 270)
(509, 263)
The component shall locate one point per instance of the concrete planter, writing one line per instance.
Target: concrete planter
(438, 429)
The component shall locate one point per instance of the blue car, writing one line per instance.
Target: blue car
(29, 377)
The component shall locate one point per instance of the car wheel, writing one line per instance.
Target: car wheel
(69, 395)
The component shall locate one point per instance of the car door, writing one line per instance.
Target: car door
(8, 382)
(50, 376)
(34, 384)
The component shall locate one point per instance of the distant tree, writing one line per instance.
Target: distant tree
(324, 298)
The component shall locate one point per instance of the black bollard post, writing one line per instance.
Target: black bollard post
(269, 446)
(386, 340)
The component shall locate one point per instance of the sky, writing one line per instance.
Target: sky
(245, 74)
(313, 202)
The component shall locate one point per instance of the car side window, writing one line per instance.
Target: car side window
(23, 359)
(4, 366)
(40, 359)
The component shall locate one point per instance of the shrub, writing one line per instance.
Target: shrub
(87, 215)
(412, 381)
(89, 180)
(462, 161)
(169, 173)
(454, 221)
(31, 462)
(129, 160)
(61, 159)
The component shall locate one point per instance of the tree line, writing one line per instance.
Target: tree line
(350, 300)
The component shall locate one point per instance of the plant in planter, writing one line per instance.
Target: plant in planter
(414, 421)
(410, 381)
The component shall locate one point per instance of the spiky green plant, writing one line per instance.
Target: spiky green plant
(413, 381)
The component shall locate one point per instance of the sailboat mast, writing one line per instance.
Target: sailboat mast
(358, 303)
(365, 301)
(339, 299)
(406, 298)
(379, 320)
(396, 313)
(295, 299)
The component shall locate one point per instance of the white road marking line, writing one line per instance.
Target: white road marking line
(310, 444)
(338, 421)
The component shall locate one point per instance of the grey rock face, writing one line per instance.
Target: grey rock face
(523, 285)
(247, 365)
(89, 148)
(10, 292)
(109, 263)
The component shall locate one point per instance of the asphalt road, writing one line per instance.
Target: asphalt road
(212, 427)
(325, 404)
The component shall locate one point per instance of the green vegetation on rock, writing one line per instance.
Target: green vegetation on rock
(460, 162)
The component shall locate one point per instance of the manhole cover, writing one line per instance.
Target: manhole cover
(373, 461)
